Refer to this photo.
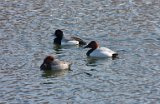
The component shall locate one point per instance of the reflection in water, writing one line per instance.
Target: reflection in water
(92, 61)
(51, 73)
(58, 49)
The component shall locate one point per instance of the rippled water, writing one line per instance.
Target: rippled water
(130, 27)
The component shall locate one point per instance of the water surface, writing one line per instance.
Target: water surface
(130, 27)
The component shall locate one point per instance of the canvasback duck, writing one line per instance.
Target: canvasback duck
(60, 40)
(50, 63)
(101, 52)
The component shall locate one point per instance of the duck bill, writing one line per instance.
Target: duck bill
(86, 46)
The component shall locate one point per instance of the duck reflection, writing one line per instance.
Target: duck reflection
(58, 49)
(95, 61)
(91, 61)
(53, 74)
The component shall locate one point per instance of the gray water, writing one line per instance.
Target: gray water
(130, 27)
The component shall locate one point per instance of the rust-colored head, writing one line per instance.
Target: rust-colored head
(46, 65)
(48, 59)
(93, 45)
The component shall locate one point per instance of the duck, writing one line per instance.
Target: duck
(60, 40)
(50, 63)
(101, 52)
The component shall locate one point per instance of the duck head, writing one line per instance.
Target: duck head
(59, 34)
(93, 45)
(46, 65)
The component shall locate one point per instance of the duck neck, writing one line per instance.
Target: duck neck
(57, 41)
(89, 52)
(45, 66)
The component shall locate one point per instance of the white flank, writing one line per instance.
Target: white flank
(60, 65)
(102, 52)
(69, 42)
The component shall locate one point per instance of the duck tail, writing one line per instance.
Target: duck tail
(115, 55)
(81, 42)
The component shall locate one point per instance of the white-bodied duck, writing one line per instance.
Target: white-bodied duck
(50, 63)
(60, 40)
(101, 52)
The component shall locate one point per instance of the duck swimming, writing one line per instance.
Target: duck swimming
(50, 63)
(101, 52)
(60, 40)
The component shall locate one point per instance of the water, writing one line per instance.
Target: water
(130, 27)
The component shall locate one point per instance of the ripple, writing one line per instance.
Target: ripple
(129, 27)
